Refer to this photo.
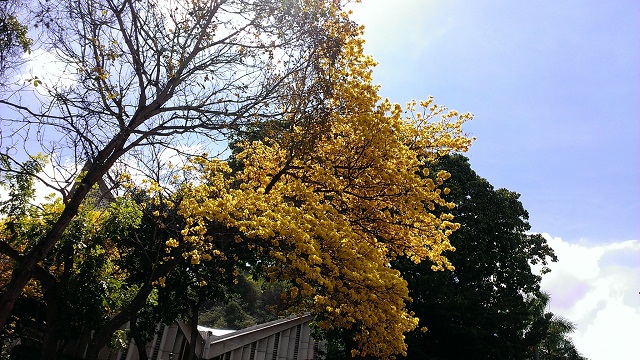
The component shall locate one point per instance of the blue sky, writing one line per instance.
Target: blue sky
(555, 90)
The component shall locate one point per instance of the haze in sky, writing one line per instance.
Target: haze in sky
(555, 90)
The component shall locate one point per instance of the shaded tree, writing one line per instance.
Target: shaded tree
(112, 266)
(482, 309)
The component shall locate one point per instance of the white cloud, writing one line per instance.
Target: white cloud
(49, 69)
(597, 287)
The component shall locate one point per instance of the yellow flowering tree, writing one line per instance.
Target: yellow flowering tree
(333, 200)
(325, 183)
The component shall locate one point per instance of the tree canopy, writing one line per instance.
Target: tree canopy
(141, 77)
(489, 307)
(326, 185)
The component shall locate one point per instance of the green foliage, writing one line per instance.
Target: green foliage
(83, 302)
(13, 34)
(14, 37)
(18, 180)
(249, 302)
(482, 309)
(229, 315)
(126, 215)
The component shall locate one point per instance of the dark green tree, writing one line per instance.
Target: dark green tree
(482, 309)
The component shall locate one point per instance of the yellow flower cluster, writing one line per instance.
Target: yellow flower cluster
(336, 200)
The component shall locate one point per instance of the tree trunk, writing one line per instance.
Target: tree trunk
(103, 335)
(50, 288)
(50, 339)
(140, 344)
(194, 332)
(49, 343)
